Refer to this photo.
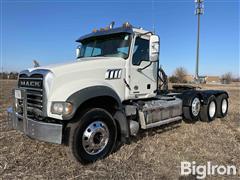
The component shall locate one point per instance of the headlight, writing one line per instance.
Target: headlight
(61, 108)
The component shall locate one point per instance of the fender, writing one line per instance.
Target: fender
(207, 93)
(187, 96)
(88, 93)
(123, 123)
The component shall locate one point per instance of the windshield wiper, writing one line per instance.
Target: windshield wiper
(98, 56)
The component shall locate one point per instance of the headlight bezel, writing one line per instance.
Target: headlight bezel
(61, 108)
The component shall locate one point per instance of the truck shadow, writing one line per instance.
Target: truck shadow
(143, 133)
(189, 121)
(156, 130)
(149, 132)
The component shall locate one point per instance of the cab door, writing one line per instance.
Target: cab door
(143, 75)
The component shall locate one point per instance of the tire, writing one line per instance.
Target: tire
(222, 105)
(209, 111)
(93, 137)
(192, 113)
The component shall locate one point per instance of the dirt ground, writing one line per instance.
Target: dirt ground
(154, 154)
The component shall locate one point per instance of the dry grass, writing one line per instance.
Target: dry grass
(154, 154)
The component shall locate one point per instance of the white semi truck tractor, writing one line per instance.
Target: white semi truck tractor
(113, 89)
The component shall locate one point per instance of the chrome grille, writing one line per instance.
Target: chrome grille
(35, 95)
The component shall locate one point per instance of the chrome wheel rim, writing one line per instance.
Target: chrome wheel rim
(95, 137)
(224, 106)
(212, 109)
(196, 105)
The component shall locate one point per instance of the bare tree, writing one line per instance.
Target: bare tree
(4, 75)
(173, 79)
(227, 78)
(8, 75)
(236, 79)
(180, 75)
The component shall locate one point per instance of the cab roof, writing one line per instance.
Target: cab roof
(104, 32)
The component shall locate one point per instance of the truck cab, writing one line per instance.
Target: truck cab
(132, 45)
(106, 95)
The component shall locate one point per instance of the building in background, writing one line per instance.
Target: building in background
(204, 79)
(213, 80)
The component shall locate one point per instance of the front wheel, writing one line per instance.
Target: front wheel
(93, 136)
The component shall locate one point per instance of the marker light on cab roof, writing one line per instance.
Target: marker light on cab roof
(127, 25)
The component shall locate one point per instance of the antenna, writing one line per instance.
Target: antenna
(199, 10)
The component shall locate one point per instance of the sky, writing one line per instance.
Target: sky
(47, 30)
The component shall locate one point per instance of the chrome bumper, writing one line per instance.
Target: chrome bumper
(43, 131)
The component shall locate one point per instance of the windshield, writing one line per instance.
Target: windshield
(116, 45)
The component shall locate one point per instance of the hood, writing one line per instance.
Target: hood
(82, 64)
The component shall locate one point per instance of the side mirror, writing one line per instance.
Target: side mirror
(78, 51)
(154, 48)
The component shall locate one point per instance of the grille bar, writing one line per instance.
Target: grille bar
(34, 105)
(35, 100)
(33, 89)
(33, 94)
(30, 78)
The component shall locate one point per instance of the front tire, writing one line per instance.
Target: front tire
(93, 136)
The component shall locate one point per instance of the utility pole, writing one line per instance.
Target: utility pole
(199, 9)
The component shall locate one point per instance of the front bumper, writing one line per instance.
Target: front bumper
(48, 132)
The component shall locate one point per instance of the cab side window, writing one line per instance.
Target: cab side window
(141, 51)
